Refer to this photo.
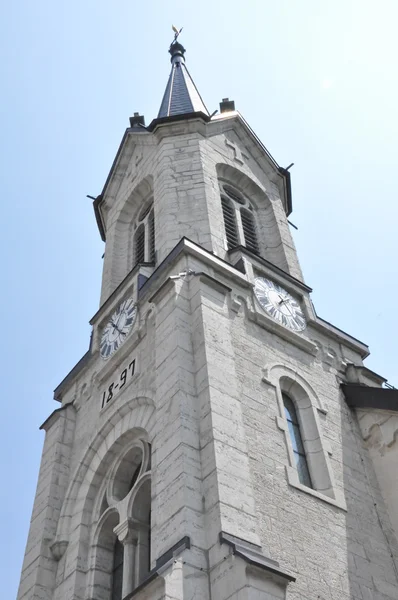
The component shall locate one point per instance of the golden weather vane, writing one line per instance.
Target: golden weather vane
(176, 32)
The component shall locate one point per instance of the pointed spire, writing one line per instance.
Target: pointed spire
(181, 95)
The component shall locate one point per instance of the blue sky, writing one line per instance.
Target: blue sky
(318, 83)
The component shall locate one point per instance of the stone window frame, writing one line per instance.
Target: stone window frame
(119, 514)
(286, 381)
(237, 202)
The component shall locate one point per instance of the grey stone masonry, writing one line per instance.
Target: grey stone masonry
(177, 446)
(181, 166)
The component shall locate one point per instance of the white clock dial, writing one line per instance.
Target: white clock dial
(279, 304)
(118, 328)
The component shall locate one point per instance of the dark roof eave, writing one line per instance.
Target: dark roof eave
(176, 118)
(283, 172)
(363, 396)
(98, 217)
(97, 201)
(288, 183)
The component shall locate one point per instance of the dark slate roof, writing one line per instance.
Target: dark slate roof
(362, 396)
(181, 95)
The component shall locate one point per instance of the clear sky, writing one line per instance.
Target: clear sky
(316, 80)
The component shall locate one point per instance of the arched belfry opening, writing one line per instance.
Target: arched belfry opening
(131, 237)
(249, 216)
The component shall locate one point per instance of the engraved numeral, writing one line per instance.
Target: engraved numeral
(123, 377)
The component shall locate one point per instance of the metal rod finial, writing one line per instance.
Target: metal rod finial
(176, 32)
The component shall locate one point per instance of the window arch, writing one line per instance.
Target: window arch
(144, 236)
(121, 549)
(299, 408)
(239, 221)
(296, 441)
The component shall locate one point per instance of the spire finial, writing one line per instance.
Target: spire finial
(176, 32)
(176, 49)
(181, 96)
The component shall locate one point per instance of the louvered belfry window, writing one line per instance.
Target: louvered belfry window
(239, 220)
(249, 230)
(151, 233)
(144, 237)
(231, 230)
(139, 246)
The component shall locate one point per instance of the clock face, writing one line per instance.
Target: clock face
(118, 328)
(279, 304)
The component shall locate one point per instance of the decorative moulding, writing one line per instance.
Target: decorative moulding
(274, 327)
(58, 548)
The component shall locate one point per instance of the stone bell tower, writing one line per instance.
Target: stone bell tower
(208, 445)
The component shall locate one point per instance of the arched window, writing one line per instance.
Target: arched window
(308, 467)
(296, 441)
(144, 236)
(239, 221)
(121, 549)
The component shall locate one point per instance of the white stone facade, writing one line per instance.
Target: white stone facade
(204, 404)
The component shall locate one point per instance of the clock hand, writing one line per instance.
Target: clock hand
(117, 328)
(282, 301)
(288, 308)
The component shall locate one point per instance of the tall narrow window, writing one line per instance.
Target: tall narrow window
(231, 230)
(117, 572)
(144, 237)
(151, 234)
(297, 442)
(139, 245)
(249, 230)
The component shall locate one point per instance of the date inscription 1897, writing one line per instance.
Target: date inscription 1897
(117, 385)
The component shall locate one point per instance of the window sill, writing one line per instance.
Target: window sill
(293, 480)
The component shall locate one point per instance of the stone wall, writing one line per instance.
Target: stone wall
(380, 432)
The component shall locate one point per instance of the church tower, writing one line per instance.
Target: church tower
(218, 440)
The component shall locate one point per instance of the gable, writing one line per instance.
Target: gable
(125, 168)
(243, 144)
